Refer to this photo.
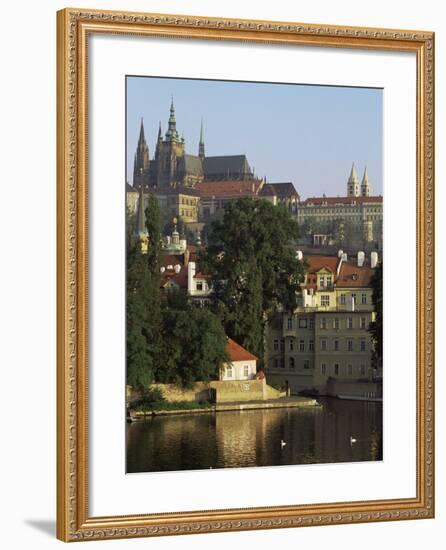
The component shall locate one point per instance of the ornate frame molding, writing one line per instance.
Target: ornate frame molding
(73, 521)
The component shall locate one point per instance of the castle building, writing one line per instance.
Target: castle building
(324, 346)
(356, 219)
(174, 175)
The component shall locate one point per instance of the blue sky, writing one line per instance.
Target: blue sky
(309, 135)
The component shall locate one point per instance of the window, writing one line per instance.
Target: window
(362, 345)
(291, 344)
(301, 345)
(276, 345)
(306, 364)
(246, 371)
(325, 300)
(321, 281)
(323, 323)
(323, 345)
(282, 345)
(363, 322)
(329, 280)
(350, 370)
(311, 345)
(291, 362)
(276, 363)
(363, 299)
(311, 324)
(336, 369)
(350, 322)
(323, 368)
(229, 372)
(336, 345)
(336, 323)
(290, 323)
(349, 345)
(199, 286)
(302, 323)
(343, 299)
(282, 363)
(362, 370)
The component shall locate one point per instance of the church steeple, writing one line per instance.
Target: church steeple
(365, 184)
(353, 183)
(141, 162)
(201, 144)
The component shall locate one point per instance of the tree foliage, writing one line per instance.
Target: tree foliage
(253, 267)
(194, 346)
(376, 327)
(168, 339)
(143, 312)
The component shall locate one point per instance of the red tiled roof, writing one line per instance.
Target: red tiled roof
(319, 262)
(351, 275)
(180, 279)
(229, 189)
(201, 275)
(237, 352)
(320, 201)
(171, 259)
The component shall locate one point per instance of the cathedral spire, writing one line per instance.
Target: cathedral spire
(141, 162)
(142, 138)
(201, 144)
(160, 133)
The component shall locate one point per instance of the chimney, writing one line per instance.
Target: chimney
(361, 258)
(340, 253)
(373, 259)
(299, 254)
(344, 257)
(191, 270)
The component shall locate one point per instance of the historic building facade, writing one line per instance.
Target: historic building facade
(355, 220)
(325, 343)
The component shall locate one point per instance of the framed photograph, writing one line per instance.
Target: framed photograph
(245, 274)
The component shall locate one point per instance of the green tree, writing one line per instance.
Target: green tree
(376, 327)
(143, 312)
(194, 346)
(251, 259)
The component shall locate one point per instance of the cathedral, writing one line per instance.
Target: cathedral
(174, 176)
(172, 167)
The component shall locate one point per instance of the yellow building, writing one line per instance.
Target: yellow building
(325, 344)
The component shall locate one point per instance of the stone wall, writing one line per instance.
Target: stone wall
(215, 391)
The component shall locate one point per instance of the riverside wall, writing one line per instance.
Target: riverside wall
(217, 391)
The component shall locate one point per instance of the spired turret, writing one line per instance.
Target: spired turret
(365, 184)
(141, 228)
(353, 183)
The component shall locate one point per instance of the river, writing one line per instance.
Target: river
(253, 438)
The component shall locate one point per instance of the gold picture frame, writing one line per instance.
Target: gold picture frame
(73, 520)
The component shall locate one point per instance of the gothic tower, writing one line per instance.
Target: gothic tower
(353, 183)
(141, 162)
(201, 144)
(365, 184)
(172, 149)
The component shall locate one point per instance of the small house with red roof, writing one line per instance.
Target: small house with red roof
(242, 365)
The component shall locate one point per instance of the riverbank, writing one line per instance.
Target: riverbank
(281, 403)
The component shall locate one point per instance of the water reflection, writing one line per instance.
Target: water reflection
(253, 438)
